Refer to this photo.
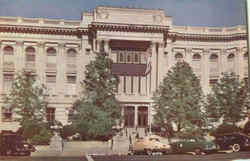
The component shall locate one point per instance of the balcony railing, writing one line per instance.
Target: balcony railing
(30, 66)
(8, 66)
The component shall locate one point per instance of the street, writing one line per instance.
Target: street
(172, 157)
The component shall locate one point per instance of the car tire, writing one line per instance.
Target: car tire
(236, 147)
(197, 151)
(8, 152)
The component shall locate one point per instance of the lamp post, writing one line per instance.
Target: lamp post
(248, 38)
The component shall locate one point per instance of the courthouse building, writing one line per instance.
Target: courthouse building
(143, 43)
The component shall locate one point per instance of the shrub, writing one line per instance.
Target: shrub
(67, 131)
(43, 138)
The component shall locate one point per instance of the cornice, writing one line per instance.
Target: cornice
(102, 26)
(43, 30)
(207, 37)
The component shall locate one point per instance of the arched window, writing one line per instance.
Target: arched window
(51, 52)
(71, 53)
(30, 54)
(196, 56)
(246, 56)
(178, 56)
(213, 57)
(8, 50)
(230, 57)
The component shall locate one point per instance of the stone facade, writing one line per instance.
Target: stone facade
(57, 51)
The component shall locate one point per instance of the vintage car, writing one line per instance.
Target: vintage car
(195, 145)
(13, 144)
(233, 141)
(149, 145)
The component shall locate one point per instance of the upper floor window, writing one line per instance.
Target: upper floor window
(213, 58)
(51, 52)
(121, 57)
(8, 50)
(136, 58)
(128, 58)
(196, 57)
(246, 56)
(50, 114)
(71, 53)
(178, 56)
(230, 57)
(30, 54)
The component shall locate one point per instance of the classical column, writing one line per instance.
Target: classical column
(42, 61)
(1, 69)
(223, 61)
(154, 70)
(237, 61)
(188, 56)
(136, 116)
(162, 66)
(61, 70)
(205, 71)
(20, 55)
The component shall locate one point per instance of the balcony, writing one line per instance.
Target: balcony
(8, 66)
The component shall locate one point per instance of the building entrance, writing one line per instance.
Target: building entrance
(142, 116)
(129, 116)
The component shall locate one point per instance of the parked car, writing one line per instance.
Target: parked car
(234, 141)
(149, 145)
(198, 145)
(13, 144)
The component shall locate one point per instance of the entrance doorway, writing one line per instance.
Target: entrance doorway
(129, 116)
(142, 116)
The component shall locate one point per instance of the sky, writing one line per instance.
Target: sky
(184, 12)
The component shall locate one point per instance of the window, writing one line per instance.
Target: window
(132, 84)
(212, 81)
(6, 114)
(136, 58)
(71, 85)
(196, 57)
(178, 57)
(51, 83)
(50, 114)
(51, 52)
(139, 85)
(214, 58)
(71, 61)
(30, 54)
(8, 50)
(230, 57)
(70, 115)
(124, 84)
(121, 57)
(246, 56)
(128, 58)
(7, 82)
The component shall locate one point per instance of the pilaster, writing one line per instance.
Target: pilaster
(136, 116)
(61, 70)
(41, 64)
(223, 61)
(205, 71)
(154, 71)
(20, 55)
(162, 66)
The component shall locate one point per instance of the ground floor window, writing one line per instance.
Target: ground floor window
(6, 114)
(50, 114)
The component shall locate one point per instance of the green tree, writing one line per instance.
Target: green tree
(98, 109)
(228, 99)
(27, 100)
(178, 102)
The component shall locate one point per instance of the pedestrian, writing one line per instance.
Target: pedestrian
(137, 135)
(112, 144)
(130, 139)
(126, 131)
